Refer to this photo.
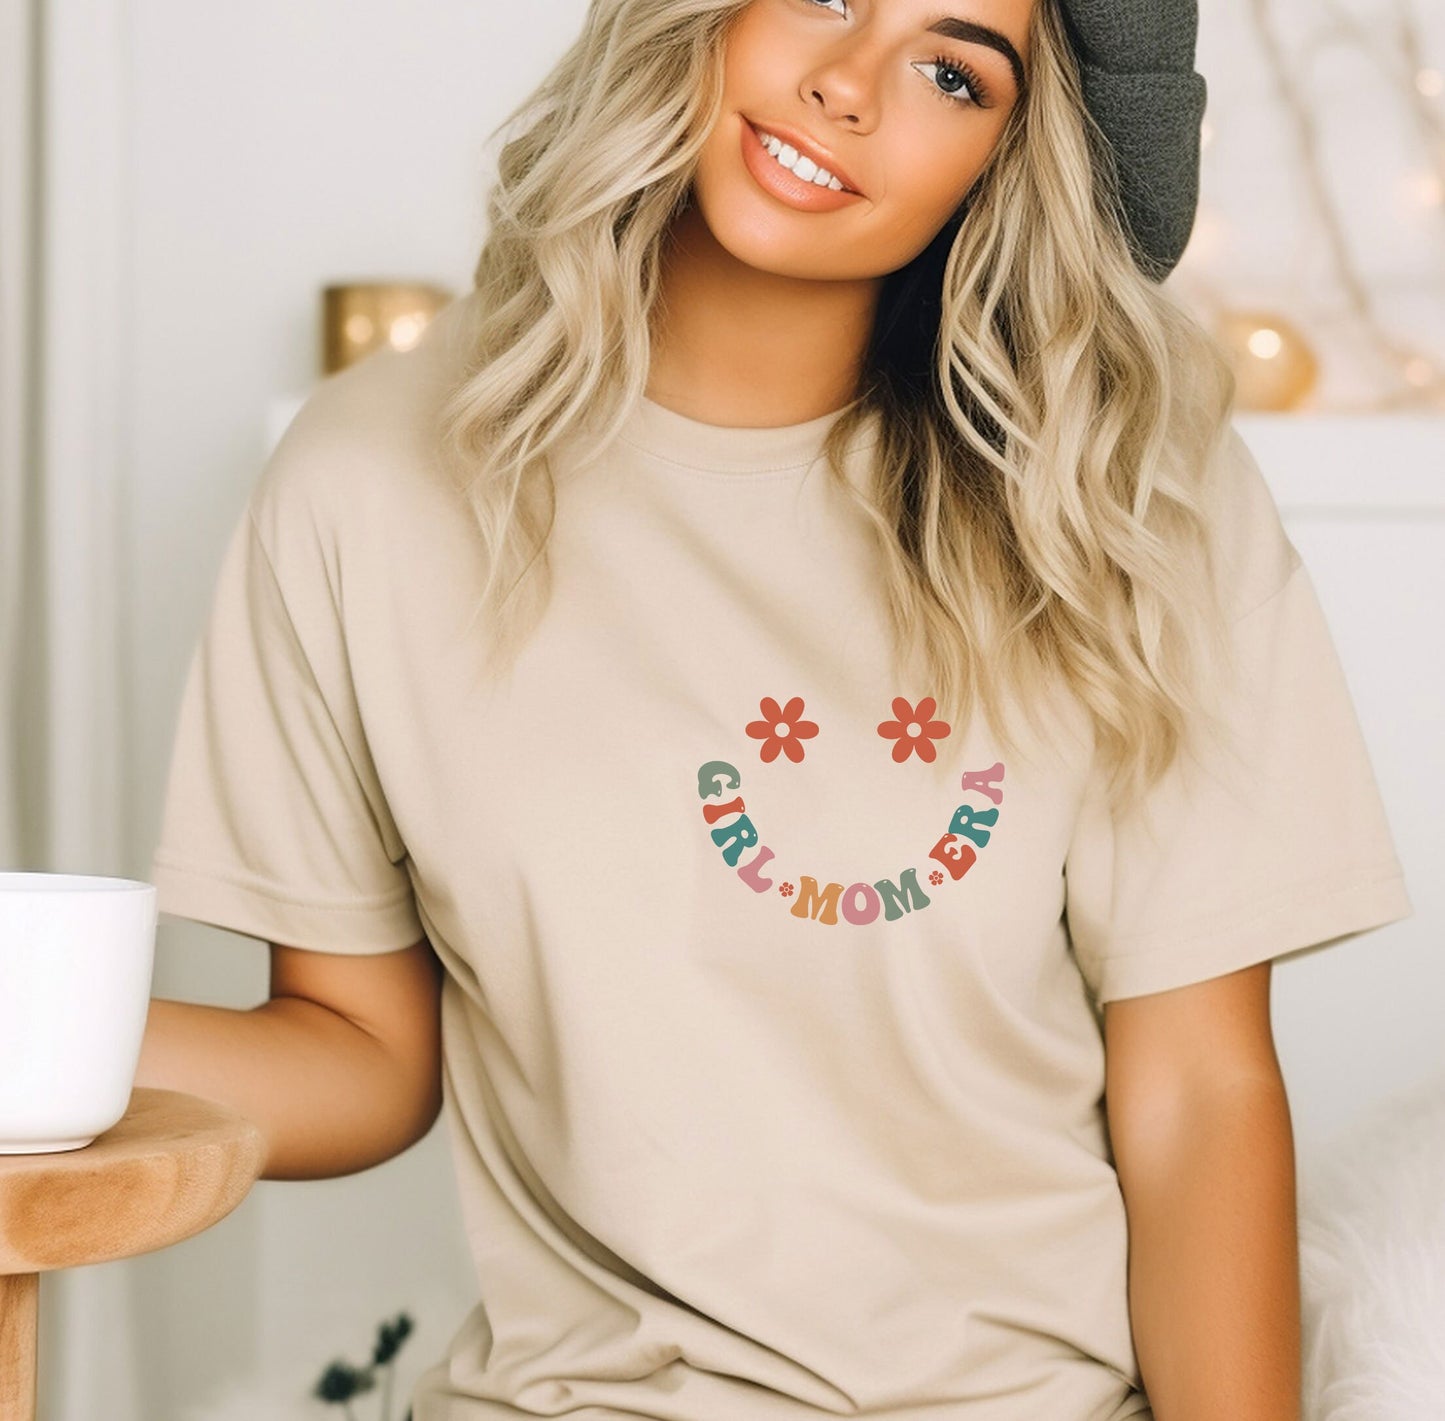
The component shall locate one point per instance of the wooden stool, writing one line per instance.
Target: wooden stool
(172, 1166)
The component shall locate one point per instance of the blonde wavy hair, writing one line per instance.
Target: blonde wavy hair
(1048, 414)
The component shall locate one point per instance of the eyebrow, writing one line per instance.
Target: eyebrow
(970, 32)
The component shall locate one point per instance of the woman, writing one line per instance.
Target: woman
(799, 659)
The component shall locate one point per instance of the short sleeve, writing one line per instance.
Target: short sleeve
(1273, 840)
(274, 822)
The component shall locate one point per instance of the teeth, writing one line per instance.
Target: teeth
(799, 166)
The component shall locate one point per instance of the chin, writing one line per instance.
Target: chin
(769, 242)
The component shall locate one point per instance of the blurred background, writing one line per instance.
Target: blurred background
(180, 183)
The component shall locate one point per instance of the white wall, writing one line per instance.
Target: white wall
(275, 147)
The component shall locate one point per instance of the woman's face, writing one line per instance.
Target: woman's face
(901, 101)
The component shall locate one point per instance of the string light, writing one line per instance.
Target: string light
(1419, 376)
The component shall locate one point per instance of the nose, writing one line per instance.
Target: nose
(843, 85)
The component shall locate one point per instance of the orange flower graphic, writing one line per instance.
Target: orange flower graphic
(915, 730)
(782, 729)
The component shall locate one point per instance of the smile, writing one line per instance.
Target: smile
(788, 157)
(791, 177)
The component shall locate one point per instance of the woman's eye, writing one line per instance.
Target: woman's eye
(842, 6)
(952, 83)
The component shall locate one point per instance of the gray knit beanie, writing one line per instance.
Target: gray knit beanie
(1136, 62)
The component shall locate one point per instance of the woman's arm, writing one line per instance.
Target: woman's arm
(1204, 1149)
(341, 1068)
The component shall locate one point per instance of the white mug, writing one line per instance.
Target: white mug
(76, 956)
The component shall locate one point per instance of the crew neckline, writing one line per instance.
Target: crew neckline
(733, 449)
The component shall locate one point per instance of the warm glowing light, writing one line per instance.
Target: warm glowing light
(1271, 357)
(358, 329)
(1430, 82)
(405, 332)
(1265, 343)
(1420, 372)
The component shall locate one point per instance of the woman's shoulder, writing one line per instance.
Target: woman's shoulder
(1255, 555)
(363, 446)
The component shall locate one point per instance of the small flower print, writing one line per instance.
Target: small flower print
(915, 730)
(935, 878)
(782, 729)
(786, 889)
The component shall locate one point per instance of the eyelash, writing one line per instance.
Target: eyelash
(978, 95)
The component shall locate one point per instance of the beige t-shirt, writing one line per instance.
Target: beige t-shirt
(772, 1033)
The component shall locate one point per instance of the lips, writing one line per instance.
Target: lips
(820, 155)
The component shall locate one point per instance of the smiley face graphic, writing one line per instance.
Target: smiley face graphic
(782, 731)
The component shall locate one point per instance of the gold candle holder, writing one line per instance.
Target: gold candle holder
(358, 317)
(1276, 369)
